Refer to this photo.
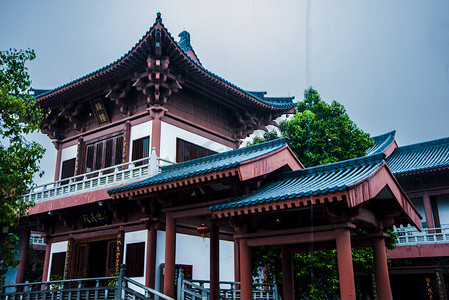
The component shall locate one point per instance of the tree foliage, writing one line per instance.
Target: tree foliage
(19, 158)
(322, 133)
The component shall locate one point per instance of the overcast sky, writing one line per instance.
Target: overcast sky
(386, 61)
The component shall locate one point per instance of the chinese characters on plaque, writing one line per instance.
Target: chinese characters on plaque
(100, 112)
(93, 217)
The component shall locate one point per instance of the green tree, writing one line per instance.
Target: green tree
(319, 133)
(19, 158)
(322, 133)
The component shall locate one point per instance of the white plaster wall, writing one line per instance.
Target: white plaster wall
(443, 209)
(67, 153)
(192, 250)
(136, 237)
(418, 203)
(55, 248)
(140, 131)
(169, 133)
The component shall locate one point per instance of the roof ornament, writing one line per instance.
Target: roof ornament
(184, 41)
(158, 17)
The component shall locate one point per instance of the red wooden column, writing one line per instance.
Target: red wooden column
(150, 271)
(428, 210)
(170, 253)
(156, 114)
(58, 159)
(246, 285)
(214, 262)
(287, 273)
(23, 254)
(236, 261)
(45, 274)
(381, 269)
(345, 269)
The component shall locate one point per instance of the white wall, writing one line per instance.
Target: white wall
(169, 133)
(192, 250)
(140, 131)
(418, 203)
(443, 209)
(55, 248)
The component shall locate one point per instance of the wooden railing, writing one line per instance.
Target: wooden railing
(411, 236)
(199, 290)
(108, 177)
(104, 288)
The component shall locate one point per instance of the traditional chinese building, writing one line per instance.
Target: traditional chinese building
(148, 160)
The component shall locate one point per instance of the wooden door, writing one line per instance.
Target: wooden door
(81, 261)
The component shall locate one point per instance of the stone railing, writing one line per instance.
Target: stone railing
(107, 177)
(411, 236)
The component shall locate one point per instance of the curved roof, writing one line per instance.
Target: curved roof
(381, 142)
(312, 181)
(216, 162)
(420, 157)
(137, 56)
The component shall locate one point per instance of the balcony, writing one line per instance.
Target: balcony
(104, 178)
(411, 236)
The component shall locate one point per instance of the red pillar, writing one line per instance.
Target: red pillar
(58, 159)
(345, 269)
(170, 253)
(381, 268)
(287, 274)
(150, 270)
(428, 210)
(246, 284)
(236, 261)
(45, 274)
(20, 278)
(156, 113)
(214, 262)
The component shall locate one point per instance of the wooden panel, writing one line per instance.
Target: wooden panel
(57, 265)
(135, 259)
(186, 151)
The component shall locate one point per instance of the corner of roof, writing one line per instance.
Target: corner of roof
(375, 158)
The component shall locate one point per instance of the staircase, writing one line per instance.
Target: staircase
(104, 288)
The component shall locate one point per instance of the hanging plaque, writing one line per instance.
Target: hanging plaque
(100, 112)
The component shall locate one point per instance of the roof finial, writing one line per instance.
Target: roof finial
(158, 17)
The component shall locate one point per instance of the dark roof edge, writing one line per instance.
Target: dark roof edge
(377, 158)
(269, 144)
(421, 145)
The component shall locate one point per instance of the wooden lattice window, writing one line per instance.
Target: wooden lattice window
(68, 169)
(187, 151)
(104, 154)
(141, 149)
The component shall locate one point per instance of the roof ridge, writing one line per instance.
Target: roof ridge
(422, 145)
(382, 136)
(239, 151)
(158, 20)
(377, 157)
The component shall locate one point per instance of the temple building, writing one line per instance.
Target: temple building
(149, 163)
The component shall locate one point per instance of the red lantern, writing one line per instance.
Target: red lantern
(203, 229)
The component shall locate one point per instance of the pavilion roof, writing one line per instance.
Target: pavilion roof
(422, 157)
(381, 143)
(224, 163)
(137, 56)
(346, 181)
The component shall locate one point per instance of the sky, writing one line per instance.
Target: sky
(386, 61)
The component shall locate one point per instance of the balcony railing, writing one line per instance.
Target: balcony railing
(107, 177)
(411, 236)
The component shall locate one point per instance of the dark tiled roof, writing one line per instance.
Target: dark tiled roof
(118, 67)
(381, 142)
(420, 157)
(312, 181)
(206, 164)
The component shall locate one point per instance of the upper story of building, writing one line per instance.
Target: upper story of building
(156, 96)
